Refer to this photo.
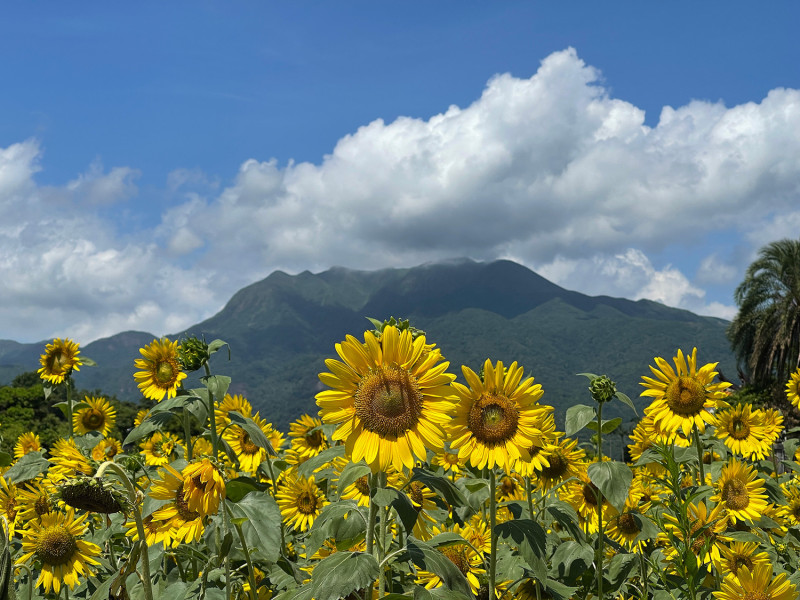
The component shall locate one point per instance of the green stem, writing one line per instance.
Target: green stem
(643, 571)
(227, 561)
(529, 494)
(187, 435)
(273, 488)
(251, 573)
(373, 513)
(212, 416)
(137, 514)
(699, 456)
(67, 381)
(600, 540)
(492, 523)
(30, 579)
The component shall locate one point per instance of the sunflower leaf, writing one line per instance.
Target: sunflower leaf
(566, 516)
(263, 519)
(342, 573)
(571, 559)
(350, 474)
(238, 488)
(626, 401)
(217, 345)
(27, 467)
(400, 502)
(217, 385)
(440, 593)
(529, 537)
(608, 425)
(5, 459)
(578, 417)
(253, 430)
(446, 488)
(153, 422)
(321, 528)
(312, 464)
(432, 560)
(613, 478)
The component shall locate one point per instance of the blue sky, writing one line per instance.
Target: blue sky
(155, 158)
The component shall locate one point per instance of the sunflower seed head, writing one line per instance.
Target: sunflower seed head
(93, 495)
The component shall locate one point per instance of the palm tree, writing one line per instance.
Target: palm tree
(765, 334)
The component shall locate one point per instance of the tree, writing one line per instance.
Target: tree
(765, 334)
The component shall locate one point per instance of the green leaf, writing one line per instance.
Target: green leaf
(446, 489)
(253, 430)
(440, 593)
(342, 573)
(350, 474)
(613, 478)
(307, 468)
(217, 385)
(565, 515)
(63, 407)
(27, 467)
(589, 376)
(238, 488)
(153, 422)
(216, 346)
(264, 519)
(559, 591)
(627, 402)
(683, 455)
(529, 537)
(87, 362)
(430, 559)
(578, 417)
(321, 528)
(618, 570)
(400, 502)
(608, 425)
(571, 559)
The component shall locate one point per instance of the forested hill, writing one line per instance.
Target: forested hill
(282, 328)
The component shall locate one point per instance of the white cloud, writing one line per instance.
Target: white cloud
(549, 170)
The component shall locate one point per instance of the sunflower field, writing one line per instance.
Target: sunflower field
(407, 485)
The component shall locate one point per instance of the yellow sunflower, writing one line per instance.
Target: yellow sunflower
(449, 462)
(685, 397)
(106, 449)
(793, 389)
(792, 508)
(155, 532)
(510, 487)
(27, 442)
(235, 403)
(743, 432)
(181, 523)
(422, 499)
(463, 556)
(391, 396)
(68, 461)
(740, 554)
(158, 449)
(499, 418)
(359, 490)
(583, 495)
(300, 501)
(9, 505)
(60, 358)
(35, 500)
(55, 543)
(706, 533)
(741, 492)
(141, 416)
(756, 584)
(98, 416)
(249, 454)
(564, 460)
(160, 371)
(307, 438)
(203, 487)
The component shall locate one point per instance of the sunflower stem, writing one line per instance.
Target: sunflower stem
(600, 540)
(492, 523)
(701, 466)
(67, 380)
(137, 514)
(187, 435)
(212, 416)
(373, 514)
(529, 494)
(251, 574)
(273, 488)
(227, 561)
(643, 571)
(30, 578)
(383, 548)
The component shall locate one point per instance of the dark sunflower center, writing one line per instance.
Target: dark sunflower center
(388, 401)
(493, 419)
(457, 554)
(315, 439)
(739, 429)
(558, 466)
(796, 511)
(307, 503)
(416, 495)
(628, 524)
(590, 493)
(734, 493)
(110, 451)
(165, 373)
(42, 505)
(362, 485)
(248, 447)
(508, 486)
(57, 362)
(183, 506)
(55, 545)
(704, 540)
(685, 396)
(93, 419)
(741, 561)
(754, 595)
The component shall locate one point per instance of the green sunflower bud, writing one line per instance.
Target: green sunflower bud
(602, 389)
(401, 324)
(192, 353)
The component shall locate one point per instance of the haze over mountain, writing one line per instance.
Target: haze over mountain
(282, 328)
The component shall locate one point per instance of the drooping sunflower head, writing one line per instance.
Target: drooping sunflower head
(203, 486)
(390, 397)
(793, 389)
(27, 442)
(93, 495)
(99, 415)
(498, 419)
(684, 398)
(159, 372)
(60, 358)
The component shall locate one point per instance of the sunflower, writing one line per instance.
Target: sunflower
(742, 431)
(538, 452)
(141, 416)
(685, 397)
(235, 403)
(390, 397)
(463, 556)
(307, 437)
(740, 554)
(35, 500)
(793, 389)
(300, 501)
(706, 532)
(583, 495)
(98, 416)
(106, 449)
(160, 371)
(625, 527)
(59, 360)
(27, 442)
(564, 460)
(741, 492)
(477, 533)
(68, 461)
(792, 508)
(449, 462)
(499, 418)
(359, 490)
(423, 500)
(772, 420)
(158, 449)
(181, 523)
(249, 454)
(756, 584)
(9, 505)
(200, 447)
(647, 433)
(155, 532)
(510, 487)
(203, 487)
(55, 542)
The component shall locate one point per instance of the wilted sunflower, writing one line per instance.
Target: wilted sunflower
(300, 501)
(741, 492)
(793, 389)
(743, 432)
(756, 584)
(55, 542)
(390, 397)
(307, 438)
(27, 442)
(60, 358)
(180, 522)
(685, 397)
(499, 418)
(98, 416)
(160, 371)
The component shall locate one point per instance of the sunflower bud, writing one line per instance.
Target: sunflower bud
(401, 324)
(602, 389)
(92, 494)
(192, 354)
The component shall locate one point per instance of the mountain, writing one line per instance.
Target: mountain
(282, 328)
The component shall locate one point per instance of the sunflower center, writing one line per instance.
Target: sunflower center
(451, 459)
(590, 493)
(739, 429)
(165, 373)
(685, 396)
(493, 419)
(388, 401)
(315, 439)
(416, 495)
(741, 561)
(362, 485)
(42, 505)
(628, 524)
(558, 466)
(457, 554)
(57, 361)
(93, 419)
(796, 511)
(248, 447)
(55, 545)
(507, 486)
(307, 503)
(754, 595)
(734, 492)
(183, 506)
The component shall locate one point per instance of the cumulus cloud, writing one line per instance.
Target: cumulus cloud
(550, 170)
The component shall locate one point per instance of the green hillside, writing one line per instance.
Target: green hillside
(282, 328)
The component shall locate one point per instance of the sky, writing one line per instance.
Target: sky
(155, 158)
